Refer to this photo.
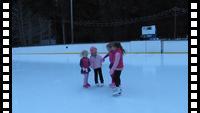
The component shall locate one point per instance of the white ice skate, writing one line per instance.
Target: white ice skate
(112, 85)
(98, 85)
(117, 91)
(101, 85)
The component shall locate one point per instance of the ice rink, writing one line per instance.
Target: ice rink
(151, 83)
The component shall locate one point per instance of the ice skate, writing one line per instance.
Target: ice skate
(98, 85)
(88, 85)
(101, 85)
(117, 91)
(85, 86)
(112, 85)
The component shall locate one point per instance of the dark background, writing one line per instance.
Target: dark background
(47, 22)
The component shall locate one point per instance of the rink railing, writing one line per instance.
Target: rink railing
(133, 47)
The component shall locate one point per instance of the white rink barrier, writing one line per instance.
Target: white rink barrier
(175, 46)
(153, 46)
(137, 47)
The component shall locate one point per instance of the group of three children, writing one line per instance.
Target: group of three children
(115, 54)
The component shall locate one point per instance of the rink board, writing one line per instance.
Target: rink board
(133, 47)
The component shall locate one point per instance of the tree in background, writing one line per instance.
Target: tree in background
(32, 20)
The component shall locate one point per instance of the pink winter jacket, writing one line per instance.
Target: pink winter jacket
(118, 60)
(96, 61)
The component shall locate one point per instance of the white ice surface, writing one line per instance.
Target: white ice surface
(53, 84)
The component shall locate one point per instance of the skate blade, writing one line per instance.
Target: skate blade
(118, 94)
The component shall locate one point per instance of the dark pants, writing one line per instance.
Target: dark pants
(116, 78)
(98, 72)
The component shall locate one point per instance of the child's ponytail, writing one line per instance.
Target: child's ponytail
(118, 45)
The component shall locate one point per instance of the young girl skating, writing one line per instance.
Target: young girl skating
(111, 59)
(96, 64)
(85, 64)
(117, 66)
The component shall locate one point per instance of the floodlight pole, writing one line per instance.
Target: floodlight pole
(72, 22)
(175, 19)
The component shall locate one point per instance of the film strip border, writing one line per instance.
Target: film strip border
(193, 57)
(6, 58)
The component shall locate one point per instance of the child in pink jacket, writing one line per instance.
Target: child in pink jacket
(96, 64)
(117, 66)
